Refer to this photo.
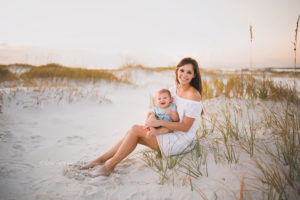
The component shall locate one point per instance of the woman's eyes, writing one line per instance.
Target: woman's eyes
(189, 72)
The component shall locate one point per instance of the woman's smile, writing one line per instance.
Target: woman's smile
(183, 79)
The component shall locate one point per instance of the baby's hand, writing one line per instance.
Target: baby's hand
(148, 129)
(173, 115)
(169, 111)
(150, 132)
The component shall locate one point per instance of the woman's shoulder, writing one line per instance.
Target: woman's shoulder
(193, 94)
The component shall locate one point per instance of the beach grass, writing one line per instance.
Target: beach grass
(252, 105)
(142, 67)
(58, 71)
(295, 49)
(242, 126)
(249, 87)
(6, 75)
(52, 70)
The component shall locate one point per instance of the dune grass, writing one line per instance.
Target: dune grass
(58, 71)
(6, 75)
(295, 50)
(246, 86)
(223, 138)
(226, 136)
(233, 87)
(21, 65)
(251, 45)
(279, 163)
(141, 67)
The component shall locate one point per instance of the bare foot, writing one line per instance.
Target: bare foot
(91, 165)
(102, 172)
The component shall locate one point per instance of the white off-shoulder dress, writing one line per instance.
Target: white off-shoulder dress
(178, 142)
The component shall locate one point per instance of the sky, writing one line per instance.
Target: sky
(112, 33)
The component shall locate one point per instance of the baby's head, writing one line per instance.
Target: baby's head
(163, 98)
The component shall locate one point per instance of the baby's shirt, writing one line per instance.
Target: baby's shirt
(160, 113)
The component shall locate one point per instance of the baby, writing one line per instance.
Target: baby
(163, 109)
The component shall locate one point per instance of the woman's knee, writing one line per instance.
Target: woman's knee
(136, 129)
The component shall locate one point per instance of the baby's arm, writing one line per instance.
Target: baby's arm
(174, 115)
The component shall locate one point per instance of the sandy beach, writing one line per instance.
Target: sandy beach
(48, 133)
(76, 76)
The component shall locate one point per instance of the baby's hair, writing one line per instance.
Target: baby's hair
(164, 91)
(159, 92)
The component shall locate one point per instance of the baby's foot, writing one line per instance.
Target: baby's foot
(91, 165)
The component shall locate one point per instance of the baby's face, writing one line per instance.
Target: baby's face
(163, 100)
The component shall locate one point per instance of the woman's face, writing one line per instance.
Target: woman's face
(185, 74)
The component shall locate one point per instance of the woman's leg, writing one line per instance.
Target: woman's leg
(135, 135)
(150, 142)
(104, 157)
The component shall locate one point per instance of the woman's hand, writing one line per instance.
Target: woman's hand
(152, 121)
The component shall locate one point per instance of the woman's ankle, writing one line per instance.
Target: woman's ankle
(99, 160)
(107, 170)
(108, 166)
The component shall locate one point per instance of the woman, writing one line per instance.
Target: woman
(187, 97)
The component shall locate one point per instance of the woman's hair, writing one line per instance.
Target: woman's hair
(196, 81)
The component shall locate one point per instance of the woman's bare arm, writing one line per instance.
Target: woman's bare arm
(184, 126)
(162, 130)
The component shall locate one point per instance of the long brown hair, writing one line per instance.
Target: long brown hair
(196, 81)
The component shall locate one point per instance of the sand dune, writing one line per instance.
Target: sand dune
(47, 133)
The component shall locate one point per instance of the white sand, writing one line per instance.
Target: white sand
(45, 137)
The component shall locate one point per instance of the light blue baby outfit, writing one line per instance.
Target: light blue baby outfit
(160, 113)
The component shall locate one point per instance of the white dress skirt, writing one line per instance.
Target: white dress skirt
(178, 142)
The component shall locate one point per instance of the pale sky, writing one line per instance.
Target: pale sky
(105, 34)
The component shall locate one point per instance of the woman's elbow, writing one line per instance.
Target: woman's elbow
(186, 128)
(186, 125)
